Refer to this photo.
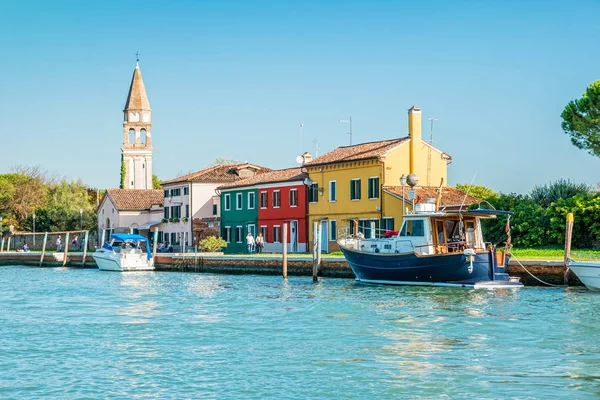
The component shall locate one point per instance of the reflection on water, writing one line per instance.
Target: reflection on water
(70, 333)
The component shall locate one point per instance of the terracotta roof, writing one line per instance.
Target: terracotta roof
(137, 99)
(136, 199)
(282, 175)
(450, 195)
(357, 152)
(219, 174)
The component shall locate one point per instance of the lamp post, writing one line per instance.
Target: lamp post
(81, 219)
(33, 229)
(403, 182)
(350, 122)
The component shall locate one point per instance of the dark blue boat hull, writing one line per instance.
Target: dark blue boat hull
(451, 269)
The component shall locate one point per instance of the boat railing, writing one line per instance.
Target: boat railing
(580, 257)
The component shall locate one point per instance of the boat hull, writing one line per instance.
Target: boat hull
(450, 269)
(588, 273)
(108, 261)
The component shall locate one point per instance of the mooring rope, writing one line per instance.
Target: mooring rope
(535, 277)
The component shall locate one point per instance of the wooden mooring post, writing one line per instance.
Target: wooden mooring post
(154, 243)
(285, 251)
(8, 244)
(66, 249)
(568, 236)
(43, 248)
(316, 250)
(85, 245)
(2, 245)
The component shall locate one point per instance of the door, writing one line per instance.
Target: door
(252, 230)
(294, 236)
(323, 237)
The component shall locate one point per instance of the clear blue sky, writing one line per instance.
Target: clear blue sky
(235, 79)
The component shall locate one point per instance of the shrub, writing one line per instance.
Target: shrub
(174, 220)
(212, 244)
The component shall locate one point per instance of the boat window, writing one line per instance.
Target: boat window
(413, 227)
(470, 232)
(440, 232)
(452, 230)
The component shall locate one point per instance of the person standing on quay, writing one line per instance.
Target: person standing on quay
(59, 243)
(75, 242)
(260, 242)
(250, 242)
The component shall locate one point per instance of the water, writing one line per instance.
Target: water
(67, 333)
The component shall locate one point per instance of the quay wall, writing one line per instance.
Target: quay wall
(549, 271)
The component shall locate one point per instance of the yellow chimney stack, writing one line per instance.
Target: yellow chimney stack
(414, 131)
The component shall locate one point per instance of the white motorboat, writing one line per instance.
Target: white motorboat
(124, 253)
(588, 271)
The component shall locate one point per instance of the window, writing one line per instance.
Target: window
(167, 193)
(176, 212)
(313, 193)
(387, 224)
(263, 230)
(355, 189)
(263, 200)
(276, 233)
(187, 210)
(227, 202)
(215, 209)
(239, 234)
(173, 238)
(332, 193)
(374, 187)
(413, 227)
(251, 199)
(227, 234)
(176, 192)
(166, 211)
(293, 197)
(238, 201)
(186, 190)
(332, 230)
(276, 198)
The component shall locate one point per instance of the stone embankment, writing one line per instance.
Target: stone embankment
(549, 271)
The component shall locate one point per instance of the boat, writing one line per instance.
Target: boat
(433, 248)
(587, 270)
(124, 252)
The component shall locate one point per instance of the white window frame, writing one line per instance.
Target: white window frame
(316, 196)
(264, 229)
(278, 198)
(369, 187)
(332, 232)
(227, 201)
(253, 195)
(387, 219)
(227, 229)
(276, 237)
(332, 192)
(241, 236)
(359, 189)
(290, 200)
(260, 195)
(239, 201)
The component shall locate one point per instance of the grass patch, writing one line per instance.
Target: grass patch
(549, 253)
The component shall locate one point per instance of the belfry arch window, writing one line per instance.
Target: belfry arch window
(131, 136)
(143, 136)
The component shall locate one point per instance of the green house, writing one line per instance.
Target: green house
(239, 215)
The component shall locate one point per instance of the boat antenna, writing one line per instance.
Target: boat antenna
(468, 190)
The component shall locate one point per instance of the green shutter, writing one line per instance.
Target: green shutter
(358, 197)
(352, 194)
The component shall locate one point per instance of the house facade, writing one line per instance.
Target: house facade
(267, 203)
(192, 207)
(347, 184)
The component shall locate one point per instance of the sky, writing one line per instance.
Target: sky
(236, 79)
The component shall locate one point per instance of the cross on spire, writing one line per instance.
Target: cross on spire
(137, 56)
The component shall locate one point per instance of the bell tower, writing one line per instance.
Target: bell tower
(137, 138)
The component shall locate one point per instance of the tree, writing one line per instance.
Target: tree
(156, 182)
(481, 192)
(123, 172)
(212, 244)
(581, 120)
(561, 189)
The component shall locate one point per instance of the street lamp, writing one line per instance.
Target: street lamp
(33, 229)
(350, 133)
(81, 219)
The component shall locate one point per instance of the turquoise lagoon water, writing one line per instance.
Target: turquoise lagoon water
(67, 333)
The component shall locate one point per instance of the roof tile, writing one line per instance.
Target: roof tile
(222, 173)
(282, 175)
(450, 195)
(357, 152)
(136, 199)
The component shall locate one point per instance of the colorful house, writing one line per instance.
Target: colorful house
(347, 184)
(191, 205)
(265, 203)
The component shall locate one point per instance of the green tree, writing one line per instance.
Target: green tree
(550, 193)
(156, 182)
(481, 192)
(581, 120)
(61, 212)
(123, 172)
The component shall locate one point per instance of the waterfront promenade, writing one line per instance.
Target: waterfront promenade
(268, 264)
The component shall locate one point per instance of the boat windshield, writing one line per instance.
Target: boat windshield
(413, 227)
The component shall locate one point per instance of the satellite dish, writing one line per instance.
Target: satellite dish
(299, 159)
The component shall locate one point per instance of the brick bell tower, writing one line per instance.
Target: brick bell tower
(137, 138)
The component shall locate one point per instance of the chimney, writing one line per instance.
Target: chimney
(414, 132)
(307, 157)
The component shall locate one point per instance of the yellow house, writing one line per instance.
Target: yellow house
(348, 183)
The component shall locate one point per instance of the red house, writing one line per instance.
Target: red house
(281, 200)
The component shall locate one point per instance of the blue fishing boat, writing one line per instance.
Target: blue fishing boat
(433, 248)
